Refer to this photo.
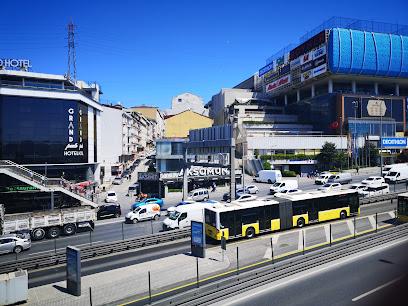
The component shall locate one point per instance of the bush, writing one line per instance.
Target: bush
(175, 190)
(288, 173)
(267, 165)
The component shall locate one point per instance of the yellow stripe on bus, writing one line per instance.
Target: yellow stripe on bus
(275, 224)
(332, 214)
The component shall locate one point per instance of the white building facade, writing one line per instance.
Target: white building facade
(187, 101)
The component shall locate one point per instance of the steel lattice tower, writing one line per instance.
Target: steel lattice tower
(71, 73)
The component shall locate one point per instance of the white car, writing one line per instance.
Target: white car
(330, 186)
(13, 243)
(246, 197)
(287, 191)
(360, 188)
(373, 181)
(373, 191)
(252, 189)
(111, 197)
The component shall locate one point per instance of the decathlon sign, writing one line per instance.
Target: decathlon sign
(394, 142)
(7, 63)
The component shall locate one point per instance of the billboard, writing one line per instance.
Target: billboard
(266, 69)
(197, 239)
(278, 83)
(394, 142)
(308, 45)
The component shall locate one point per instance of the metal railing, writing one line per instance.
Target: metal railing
(245, 280)
(52, 258)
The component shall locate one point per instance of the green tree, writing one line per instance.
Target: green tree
(402, 157)
(327, 156)
(340, 160)
(267, 165)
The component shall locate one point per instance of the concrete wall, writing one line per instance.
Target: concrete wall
(180, 125)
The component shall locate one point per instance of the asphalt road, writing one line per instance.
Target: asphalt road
(377, 279)
(111, 229)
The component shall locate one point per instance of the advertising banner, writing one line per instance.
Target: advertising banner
(394, 142)
(197, 239)
(307, 66)
(266, 69)
(278, 83)
(319, 52)
(306, 57)
(295, 63)
(306, 75)
(319, 70)
(319, 61)
(308, 45)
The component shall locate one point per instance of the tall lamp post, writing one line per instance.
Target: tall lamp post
(381, 136)
(355, 105)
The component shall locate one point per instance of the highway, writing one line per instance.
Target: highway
(111, 229)
(377, 279)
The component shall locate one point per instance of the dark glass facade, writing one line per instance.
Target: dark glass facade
(41, 130)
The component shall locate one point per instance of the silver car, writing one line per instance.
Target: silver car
(13, 244)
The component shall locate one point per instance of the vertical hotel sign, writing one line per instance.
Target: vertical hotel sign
(75, 145)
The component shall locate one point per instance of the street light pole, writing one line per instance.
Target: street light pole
(243, 166)
(355, 104)
(381, 142)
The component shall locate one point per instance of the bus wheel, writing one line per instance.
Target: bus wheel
(343, 215)
(38, 234)
(300, 222)
(250, 232)
(53, 232)
(69, 229)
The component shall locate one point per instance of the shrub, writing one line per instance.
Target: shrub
(288, 173)
(267, 165)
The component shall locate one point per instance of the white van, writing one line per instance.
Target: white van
(283, 186)
(342, 178)
(323, 178)
(373, 191)
(144, 212)
(392, 168)
(200, 194)
(398, 175)
(181, 217)
(268, 176)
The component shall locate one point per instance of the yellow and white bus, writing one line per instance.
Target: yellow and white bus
(247, 219)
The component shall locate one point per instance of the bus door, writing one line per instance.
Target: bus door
(285, 213)
(312, 210)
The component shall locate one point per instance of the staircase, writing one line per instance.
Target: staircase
(41, 182)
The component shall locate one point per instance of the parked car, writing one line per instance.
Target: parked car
(200, 194)
(111, 197)
(287, 192)
(342, 178)
(359, 188)
(246, 197)
(376, 190)
(283, 185)
(252, 189)
(373, 181)
(239, 196)
(145, 212)
(13, 243)
(148, 201)
(117, 181)
(109, 210)
(330, 186)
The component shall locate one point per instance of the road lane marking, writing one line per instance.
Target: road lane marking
(376, 289)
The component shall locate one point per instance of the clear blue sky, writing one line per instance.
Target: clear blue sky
(146, 52)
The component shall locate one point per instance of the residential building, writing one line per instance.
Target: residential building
(179, 125)
(155, 116)
(187, 101)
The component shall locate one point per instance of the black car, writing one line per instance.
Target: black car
(109, 210)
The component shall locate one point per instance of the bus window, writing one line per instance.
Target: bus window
(299, 208)
(210, 217)
(227, 222)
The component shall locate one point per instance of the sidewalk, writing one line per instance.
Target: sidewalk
(179, 271)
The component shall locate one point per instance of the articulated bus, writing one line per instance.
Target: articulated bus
(247, 219)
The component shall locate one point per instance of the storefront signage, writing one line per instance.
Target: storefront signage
(319, 52)
(306, 57)
(394, 142)
(278, 83)
(319, 70)
(75, 146)
(308, 45)
(306, 67)
(306, 75)
(319, 61)
(266, 69)
(20, 188)
(295, 63)
(12, 63)
(148, 176)
(271, 76)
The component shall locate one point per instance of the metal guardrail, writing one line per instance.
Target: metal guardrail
(246, 280)
(51, 258)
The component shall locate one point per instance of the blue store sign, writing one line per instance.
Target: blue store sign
(394, 142)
